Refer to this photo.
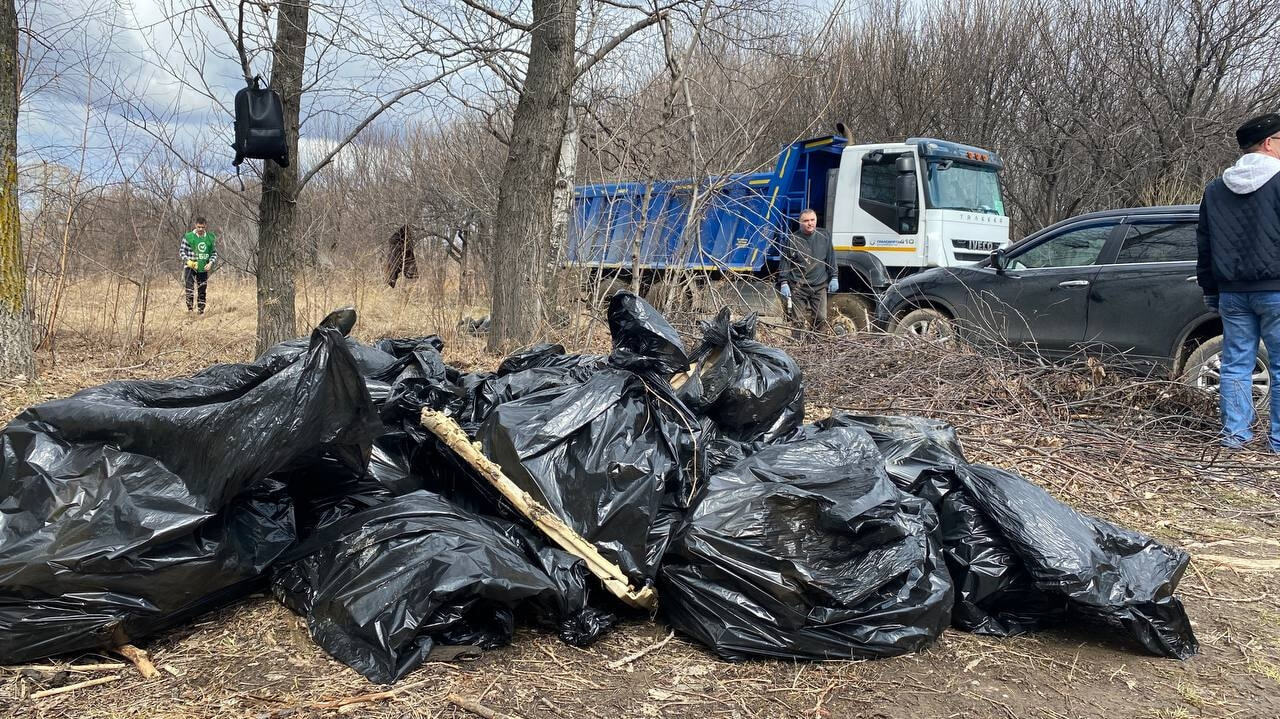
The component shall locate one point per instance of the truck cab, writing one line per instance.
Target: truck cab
(895, 208)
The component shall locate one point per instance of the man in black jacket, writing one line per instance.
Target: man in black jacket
(807, 269)
(1239, 270)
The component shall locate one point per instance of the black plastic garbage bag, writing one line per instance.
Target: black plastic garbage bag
(750, 390)
(401, 346)
(600, 455)
(607, 454)
(370, 362)
(643, 340)
(994, 593)
(806, 549)
(547, 355)
(383, 587)
(1023, 561)
(131, 506)
(1108, 574)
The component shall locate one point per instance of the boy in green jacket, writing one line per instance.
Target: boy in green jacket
(198, 253)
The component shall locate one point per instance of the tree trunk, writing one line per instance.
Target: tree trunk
(277, 210)
(566, 177)
(528, 181)
(16, 356)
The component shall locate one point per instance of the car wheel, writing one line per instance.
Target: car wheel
(925, 324)
(1203, 370)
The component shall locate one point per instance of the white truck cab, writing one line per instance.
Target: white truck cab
(912, 205)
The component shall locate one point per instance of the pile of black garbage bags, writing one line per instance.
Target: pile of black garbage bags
(131, 507)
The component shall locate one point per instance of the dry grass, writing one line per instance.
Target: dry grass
(1135, 451)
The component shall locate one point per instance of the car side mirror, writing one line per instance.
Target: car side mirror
(999, 260)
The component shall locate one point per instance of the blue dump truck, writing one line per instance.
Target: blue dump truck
(891, 208)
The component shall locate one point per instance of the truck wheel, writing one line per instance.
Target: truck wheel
(853, 306)
(1203, 370)
(925, 324)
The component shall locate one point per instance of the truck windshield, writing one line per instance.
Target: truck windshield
(959, 186)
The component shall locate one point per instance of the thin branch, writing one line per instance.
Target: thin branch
(504, 19)
(618, 39)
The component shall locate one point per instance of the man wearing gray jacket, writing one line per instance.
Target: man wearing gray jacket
(807, 272)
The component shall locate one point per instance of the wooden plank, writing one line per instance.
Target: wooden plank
(609, 574)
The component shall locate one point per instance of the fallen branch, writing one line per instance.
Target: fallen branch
(72, 687)
(347, 701)
(139, 658)
(548, 523)
(1234, 600)
(620, 663)
(477, 708)
(1242, 564)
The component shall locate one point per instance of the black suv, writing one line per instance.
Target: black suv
(1119, 283)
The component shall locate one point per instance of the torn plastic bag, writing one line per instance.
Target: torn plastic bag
(130, 506)
(807, 550)
(750, 390)
(604, 454)
(383, 587)
(1115, 576)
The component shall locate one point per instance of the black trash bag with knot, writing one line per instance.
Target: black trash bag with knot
(752, 392)
(806, 550)
(609, 455)
(130, 507)
(381, 588)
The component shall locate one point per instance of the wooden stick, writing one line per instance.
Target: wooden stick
(477, 708)
(139, 659)
(113, 666)
(620, 663)
(1243, 564)
(72, 687)
(678, 380)
(348, 701)
(562, 534)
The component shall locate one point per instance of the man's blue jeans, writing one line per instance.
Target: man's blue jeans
(1246, 318)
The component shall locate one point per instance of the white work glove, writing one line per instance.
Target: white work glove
(785, 291)
(834, 285)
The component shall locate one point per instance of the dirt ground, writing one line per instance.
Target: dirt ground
(1134, 452)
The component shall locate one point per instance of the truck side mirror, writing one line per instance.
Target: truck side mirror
(999, 260)
(904, 191)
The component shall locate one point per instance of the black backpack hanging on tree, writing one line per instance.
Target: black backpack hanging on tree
(260, 126)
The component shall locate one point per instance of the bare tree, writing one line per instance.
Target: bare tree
(16, 357)
(277, 208)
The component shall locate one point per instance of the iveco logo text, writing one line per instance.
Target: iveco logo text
(976, 245)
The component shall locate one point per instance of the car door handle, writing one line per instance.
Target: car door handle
(1074, 283)
(858, 241)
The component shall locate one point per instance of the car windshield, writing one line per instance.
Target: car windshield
(960, 186)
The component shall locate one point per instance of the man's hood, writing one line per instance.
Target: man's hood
(1250, 172)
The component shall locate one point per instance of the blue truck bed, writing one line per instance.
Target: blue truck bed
(733, 229)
